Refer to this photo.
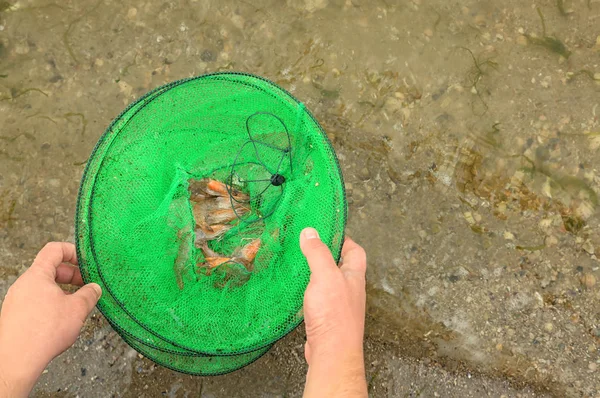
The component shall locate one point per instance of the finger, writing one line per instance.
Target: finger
(52, 255)
(354, 258)
(85, 299)
(316, 252)
(349, 244)
(68, 274)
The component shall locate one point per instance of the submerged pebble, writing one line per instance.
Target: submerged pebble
(208, 56)
(364, 174)
(588, 280)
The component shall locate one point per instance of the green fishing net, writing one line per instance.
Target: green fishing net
(189, 214)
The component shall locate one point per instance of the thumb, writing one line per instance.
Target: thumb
(316, 252)
(85, 299)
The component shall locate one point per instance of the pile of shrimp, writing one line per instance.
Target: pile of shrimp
(216, 206)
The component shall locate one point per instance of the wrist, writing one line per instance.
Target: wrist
(336, 381)
(17, 373)
(13, 384)
(336, 374)
(338, 349)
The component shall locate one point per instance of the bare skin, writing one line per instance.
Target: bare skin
(39, 320)
(334, 309)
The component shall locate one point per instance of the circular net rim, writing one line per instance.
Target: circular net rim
(80, 201)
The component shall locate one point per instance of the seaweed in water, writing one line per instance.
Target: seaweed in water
(65, 36)
(4, 5)
(80, 163)
(572, 186)
(573, 224)
(80, 116)
(478, 71)
(12, 139)
(549, 42)
(561, 8)
(531, 248)
(39, 115)
(11, 157)
(125, 69)
(586, 72)
(8, 217)
(7, 209)
(14, 94)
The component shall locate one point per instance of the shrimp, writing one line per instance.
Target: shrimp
(247, 254)
(215, 206)
(182, 257)
(214, 209)
(213, 262)
(207, 187)
(197, 189)
(218, 188)
(215, 212)
(207, 251)
(244, 256)
(206, 232)
(222, 216)
(249, 251)
(212, 259)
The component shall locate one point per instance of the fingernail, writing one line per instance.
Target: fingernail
(310, 233)
(97, 288)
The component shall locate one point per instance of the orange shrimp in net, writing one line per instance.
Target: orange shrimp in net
(207, 187)
(249, 251)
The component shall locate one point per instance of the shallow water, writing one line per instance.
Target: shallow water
(468, 134)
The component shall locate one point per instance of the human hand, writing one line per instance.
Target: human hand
(334, 314)
(39, 320)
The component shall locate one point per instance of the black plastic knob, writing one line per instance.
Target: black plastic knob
(277, 179)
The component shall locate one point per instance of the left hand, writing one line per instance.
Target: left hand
(39, 320)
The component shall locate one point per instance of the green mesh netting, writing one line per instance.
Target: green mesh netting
(189, 214)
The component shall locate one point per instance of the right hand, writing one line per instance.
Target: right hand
(334, 313)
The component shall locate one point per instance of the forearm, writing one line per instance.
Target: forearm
(336, 376)
(18, 373)
(38, 320)
(13, 385)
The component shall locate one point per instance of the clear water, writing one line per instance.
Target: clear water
(468, 132)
